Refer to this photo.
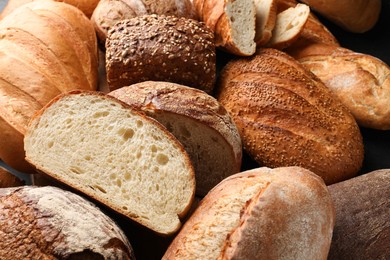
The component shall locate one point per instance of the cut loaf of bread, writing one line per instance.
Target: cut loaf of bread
(266, 11)
(281, 213)
(50, 223)
(198, 121)
(119, 157)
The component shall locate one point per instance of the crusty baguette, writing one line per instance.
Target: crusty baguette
(119, 157)
(198, 121)
(283, 213)
(50, 223)
(7, 179)
(353, 15)
(362, 228)
(287, 117)
(163, 48)
(266, 11)
(108, 12)
(360, 81)
(232, 21)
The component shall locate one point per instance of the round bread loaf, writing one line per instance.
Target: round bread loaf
(7, 179)
(287, 117)
(283, 213)
(50, 223)
(362, 228)
(198, 121)
(161, 48)
(108, 12)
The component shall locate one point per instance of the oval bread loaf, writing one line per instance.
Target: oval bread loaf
(161, 48)
(50, 223)
(115, 155)
(283, 213)
(287, 117)
(362, 229)
(198, 121)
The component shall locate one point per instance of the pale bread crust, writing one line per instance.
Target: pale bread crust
(290, 215)
(48, 223)
(163, 99)
(276, 102)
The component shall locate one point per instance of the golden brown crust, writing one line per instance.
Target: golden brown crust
(362, 229)
(7, 179)
(286, 116)
(163, 48)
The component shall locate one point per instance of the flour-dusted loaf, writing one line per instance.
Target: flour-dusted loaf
(360, 81)
(50, 223)
(232, 21)
(198, 121)
(7, 179)
(161, 48)
(263, 213)
(46, 48)
(362, 228)
(115, 155)
(287, 117)
(109, 12)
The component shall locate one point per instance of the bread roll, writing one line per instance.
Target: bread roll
(53, 49)
(198, 121)
(7, 179)
(284, 213)
(109, 12)
(161, 48)
(50, 223)
(356, 16)
(362, 229)
(286, 116)
(115, 155)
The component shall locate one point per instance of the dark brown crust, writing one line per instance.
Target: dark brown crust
(29, 228)
(161, 48)
(287, 117)
(362, 229)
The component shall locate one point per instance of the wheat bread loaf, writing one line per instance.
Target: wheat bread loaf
(287, 117)
(7, 179)
(233, 23)
(356, 16)
(115, 155)
(362, 228)
(161, 48)
(108, 12)
(263, 213)
(50, 223)
(198, 121)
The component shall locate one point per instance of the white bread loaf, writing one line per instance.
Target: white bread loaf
(50, 223)
(266, 11)
(53, 49)
(282, 213)
(117, 156)
(198, 121)
(287, 117)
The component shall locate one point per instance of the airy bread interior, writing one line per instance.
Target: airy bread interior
(117, 156)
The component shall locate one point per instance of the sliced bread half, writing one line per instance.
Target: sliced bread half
(198, 121)
(115, 155)
(266, 11)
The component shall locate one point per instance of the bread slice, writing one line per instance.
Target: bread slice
(289, 24)
(119, 157)
(266, 11)
(282, 213)
(198, 121)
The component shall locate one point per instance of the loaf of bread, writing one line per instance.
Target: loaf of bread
(108, 12)
(7, 179)
(161, 48)
(115, 155)
(287, 117)
(232, 21)
(360, 81)
(352, 15)
(263, 213)
(198, 121)
(266, 12)
(86, 6)
(362, 228)
(46, 48)
(50, 223)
